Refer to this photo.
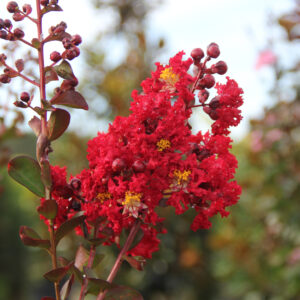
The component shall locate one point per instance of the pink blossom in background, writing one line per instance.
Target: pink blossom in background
(265, 58)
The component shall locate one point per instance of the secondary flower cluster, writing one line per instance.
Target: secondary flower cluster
(151, 158)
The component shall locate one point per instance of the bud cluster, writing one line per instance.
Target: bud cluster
(205, 79)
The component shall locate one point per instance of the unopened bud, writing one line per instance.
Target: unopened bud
(138, 166)
(203, 95)
(19, 33)
(67, 43)
(12, 6)
(220, 67)
(25, 96)
(4, 78)
(55, 56)
(44, 2)
(197, 54)
(75, 184)
(18, 17)
(1, 24)
(27, 9)
(214, 102)
(207, 81)
(76, 39)
(214, 115)
(213, 50)
(118, 165)
(3, 34)
(7, 23)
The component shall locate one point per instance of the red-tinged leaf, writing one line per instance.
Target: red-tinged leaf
(35, 124)
(136, 263)
(58, 123)
(64, 262)
(19, 65)
(67, 227)
(30, 238)
(48, 209)
(56, 275)
(81, 258)
(46, 173)
(66, 289)
(26, 171)
(11, 73)
(70, 98)
(50, 74)
(95, 286)
(36, 43)
(48, 298)
(98, 241)
(64, 70)
(57, 37)
(124, 293)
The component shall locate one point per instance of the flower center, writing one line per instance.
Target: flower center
(169, 76)
(163, 144)
(181, 176)
(103, 196)
(132, 199)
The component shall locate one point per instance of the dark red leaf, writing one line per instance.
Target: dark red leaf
(70, 98)
(30, 238)
(48, 209)
(58, 123)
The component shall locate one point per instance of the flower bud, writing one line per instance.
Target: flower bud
(19, 33)
(44, 2)
(197, 54)
(55, 56)
(18, 17)
(4, 78)
(67, 43)
(138, 166)
(20, 104)
(7, 23)
(220, 67)
(70, 54)
(213, 50)
(75, 184)
(214, 115)
(3, 34)
(1, 24)
(3, 57)
(27, 9)
(25, 96)
(214, 102)
(203, 95)
(207, 81)
(12, 6)
(53, 2)
(118, 165)
(76, 39)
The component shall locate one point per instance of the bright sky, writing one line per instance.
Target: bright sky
(238, 26)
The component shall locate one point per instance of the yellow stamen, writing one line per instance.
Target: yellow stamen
(131, 198)
(181, 177)
(103, 196)
(169, 76)
(163, 144)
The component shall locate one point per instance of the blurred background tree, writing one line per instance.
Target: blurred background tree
(254, 254)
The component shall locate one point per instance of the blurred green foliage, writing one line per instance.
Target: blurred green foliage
(254, 254)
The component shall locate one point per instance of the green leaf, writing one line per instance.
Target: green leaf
(48, 209)
(26, 171)
(67, 227)
(64, 70)
(124, 293)
(70, 98)
(56, 275)
(30, 238)
(97, 259)
(98, 241)
(95, 286)
(35, 124)
(58, 123)
(81, 258)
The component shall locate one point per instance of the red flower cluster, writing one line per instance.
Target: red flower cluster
(151, 158)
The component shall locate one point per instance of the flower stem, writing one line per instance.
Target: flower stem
(119, 259)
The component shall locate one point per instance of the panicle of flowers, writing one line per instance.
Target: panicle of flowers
(151, 158)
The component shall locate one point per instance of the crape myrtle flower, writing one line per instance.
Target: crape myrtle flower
(151, 158)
